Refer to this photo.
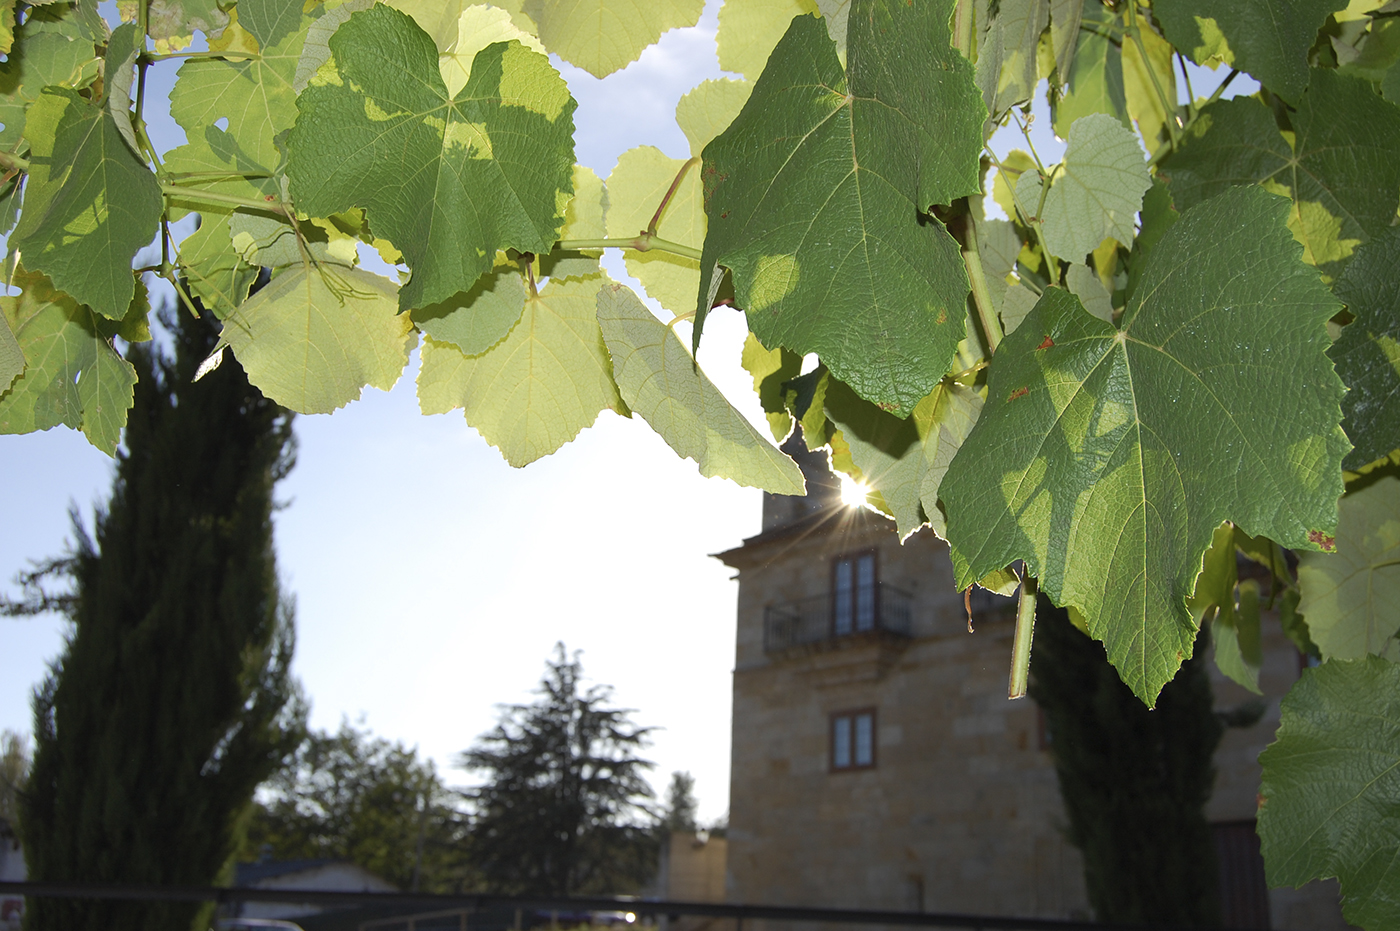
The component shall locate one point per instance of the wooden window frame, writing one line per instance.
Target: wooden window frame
(853, 558)
(851, 714)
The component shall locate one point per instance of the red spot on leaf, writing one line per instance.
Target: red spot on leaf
(1018, 393)
(1260, 800)
(1046, 343)
(942, 316)
(886, 406)
(1327, 543)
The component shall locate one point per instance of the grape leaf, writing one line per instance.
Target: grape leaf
(750, 29)
(255, 96)
(837, 15)
(708, 109)
(1234, 631)
(1006, 70)
(214, 271)
(11, 357)
(904, 461)
(270, 21)
(1120, 451)
(1094, 75)
(1327, 801)
(1141, 78)
(1098, 190)
(659, 379)
(1066, 17)
(771, 369)
(173, 23)
(478, 27)
(47, 52)
(118, 72)
(7, 25)
(814, 196)
(448, 180)
(1342, 156)
(316, 48)
(635, 188)
(1350, 597)
(438, 18)
(603, 36)
(1268, 39)
(1368, 352)
(72, 375)
(1083, 282)
(314, 337)
(998, 245)
(481, 317)
(537, 388)
(89, 205)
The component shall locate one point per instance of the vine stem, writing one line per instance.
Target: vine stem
(1168, 147)
(152, 57)
(962, 28)
(670, 192)
(209, 197)
(981, 295)
(10, 162)
(1025, 632)
(642, 242)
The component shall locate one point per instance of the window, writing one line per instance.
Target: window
(853, 594)
(853, 740)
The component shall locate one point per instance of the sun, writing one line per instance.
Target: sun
(853, 493)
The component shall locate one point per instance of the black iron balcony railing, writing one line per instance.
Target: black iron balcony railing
(832, 617)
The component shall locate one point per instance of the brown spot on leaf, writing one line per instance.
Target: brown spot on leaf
(1260, 800)
(1018, 393)
(886, 406)
(1327, 543)
(1046, 343)
(942, 316)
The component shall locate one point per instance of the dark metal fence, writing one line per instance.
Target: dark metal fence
(814, 620)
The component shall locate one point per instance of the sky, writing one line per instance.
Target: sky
(432, 580)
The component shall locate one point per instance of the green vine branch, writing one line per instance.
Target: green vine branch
(1025, 633)
(642, 242)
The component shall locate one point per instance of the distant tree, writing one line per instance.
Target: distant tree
(1135, 781)
(681, 806)
(172, 698)
(14, 769)
(353, 796)
(563, 807)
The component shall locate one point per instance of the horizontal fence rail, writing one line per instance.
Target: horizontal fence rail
(813, 620)
(641, 907)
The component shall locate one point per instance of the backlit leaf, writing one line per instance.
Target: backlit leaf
(316, 49)
(770, 369)
(659, 379)
(314, 337)
(708, 109)
(1351, 598)
(173, 23)
(1094, 75)
(1098, 190)
(836, 13)
(270, 21)
(1368, 352)
(1342, 156)
(214, 271)
(814, 196)
(438, 18)
(1119, 452)
(1234, 629)
(537, 388)
(480, 318)
(450, 181)
(750, 29)
(635, 188)
(48, 52)
(584, 218)
(478, 27)
(603, 36)
(1065, 19)
(11, 357)
(1139, 88)
(1006, 70)
(1268, 39)
(72, 374)
(89, 205)
(1327, 802)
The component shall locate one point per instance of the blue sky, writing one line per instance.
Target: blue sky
(432, 580)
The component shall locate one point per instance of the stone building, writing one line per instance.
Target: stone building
(877, 762)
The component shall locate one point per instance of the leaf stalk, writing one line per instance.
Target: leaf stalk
(1025, 633)
(642, 242)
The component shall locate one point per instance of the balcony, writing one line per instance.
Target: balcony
(881, 613)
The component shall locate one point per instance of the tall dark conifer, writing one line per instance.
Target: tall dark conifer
(1134, 781)
(172, 699)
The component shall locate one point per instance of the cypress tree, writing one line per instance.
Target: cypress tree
(1134, 781)
(172, 699)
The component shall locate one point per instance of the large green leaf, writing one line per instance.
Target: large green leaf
(708, 108)
(904, 461)
(659, 379)
(537, 388)
(449, 181)
(49, 51)
(11, 357)
(479, 318)
(1234, 628)
(1351, 598)
(270, 21)
(314, 337)
(1106, 458)
(750, 29)
(814, 197)
(1328, 799)
(1268, 39)
(72, 374)
(1368, 352)
(771, 370)
(1340, 165)
(173, 23)
(1098, 190)
(603, 36)
(89, 205)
